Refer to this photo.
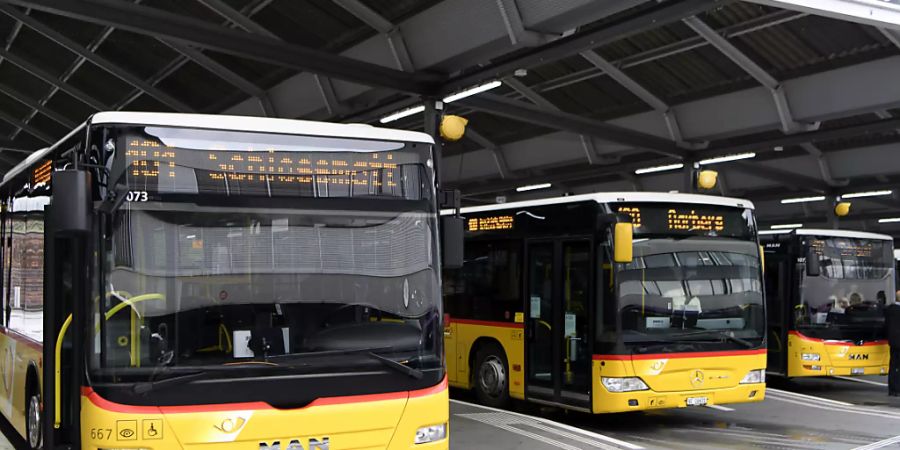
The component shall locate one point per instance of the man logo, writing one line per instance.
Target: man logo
(697, 378)
(294, 444)
(858, 357)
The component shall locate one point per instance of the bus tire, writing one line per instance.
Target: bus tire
(491, 377)
(33, 430)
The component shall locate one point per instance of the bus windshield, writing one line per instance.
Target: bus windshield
(693, 288)
(242, 248)
(855, 284)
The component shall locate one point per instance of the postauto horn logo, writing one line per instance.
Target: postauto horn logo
(294, 444)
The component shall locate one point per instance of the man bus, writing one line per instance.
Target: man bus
(826, 292)
(187, 280)
(555, 303)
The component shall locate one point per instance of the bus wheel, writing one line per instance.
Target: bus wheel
(491, 376)
(33, 421)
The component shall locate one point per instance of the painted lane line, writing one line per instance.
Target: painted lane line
(817, 401)
(563, 426)
(873, 413)
(503, 426)
(876, 383)
(808, 397)
(880, 444)
(720, 408)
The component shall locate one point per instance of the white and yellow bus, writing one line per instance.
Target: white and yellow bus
(180, 281)
(826, 293)
(609, 302)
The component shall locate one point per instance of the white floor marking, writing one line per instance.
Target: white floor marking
(832, 408)
(880, 444)
(563, 426)
(858, 380)
(808, 397)
(720, 408)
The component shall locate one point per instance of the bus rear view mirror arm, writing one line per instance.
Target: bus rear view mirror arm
(813, 267)
(71, 207)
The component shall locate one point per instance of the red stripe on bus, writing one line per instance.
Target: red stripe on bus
(19, 337)
(835, 342)
(102, 403)
(760, 351)
(487, 323)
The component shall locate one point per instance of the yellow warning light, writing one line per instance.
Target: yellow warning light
(453, 127)
(842, 209)
(706, 179)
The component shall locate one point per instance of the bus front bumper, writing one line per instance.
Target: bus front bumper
(609, 402)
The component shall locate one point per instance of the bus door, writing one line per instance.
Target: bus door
(558, 347)
(778, 305)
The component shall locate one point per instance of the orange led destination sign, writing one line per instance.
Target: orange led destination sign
(683, 219)
(41, 173)
(490, 223)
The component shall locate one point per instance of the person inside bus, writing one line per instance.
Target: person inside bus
(892, 331)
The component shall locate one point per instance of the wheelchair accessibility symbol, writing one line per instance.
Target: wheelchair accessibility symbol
(152, 429)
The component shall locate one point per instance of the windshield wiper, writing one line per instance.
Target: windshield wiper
(398, 366)
(148, 386)
(724, 335)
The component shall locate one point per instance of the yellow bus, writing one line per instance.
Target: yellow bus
(181, 281)
(826, 293)
(609, 302)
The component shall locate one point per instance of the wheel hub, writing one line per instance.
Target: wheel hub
(492, 376)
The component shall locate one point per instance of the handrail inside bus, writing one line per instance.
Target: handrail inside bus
(57, 382)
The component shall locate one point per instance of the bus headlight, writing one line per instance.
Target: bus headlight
(626, 384)
(431, 433)
(810, 356)
(755, 376)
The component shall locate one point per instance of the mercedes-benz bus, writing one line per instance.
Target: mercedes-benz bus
(826, 293)
(184, 281)
(609, 302)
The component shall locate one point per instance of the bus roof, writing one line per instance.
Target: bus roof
(616, 197)
(232, 123)
(830, 233)
(259, 124)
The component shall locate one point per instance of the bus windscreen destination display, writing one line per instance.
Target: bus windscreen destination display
(687, 219)
(154, 167)
(491, 223)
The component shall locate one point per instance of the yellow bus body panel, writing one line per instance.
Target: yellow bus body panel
(459, 346)
(836, 357)
(381, 421)
(668, 378)
(16, 354)
(673, 378)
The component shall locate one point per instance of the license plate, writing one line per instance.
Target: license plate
(696, 401)
(859, 371)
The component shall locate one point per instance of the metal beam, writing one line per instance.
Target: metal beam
(788, 124)
(161, 24)
(891, 35)
(639, 91)
(329, 98)
(224, 73)
(94, 58)
(28, 128)
(234, 16)
(559, 120)
(496, 152)
(781, 176)
(367, 15)
(49, 78)
(36, 105)
(657, 16)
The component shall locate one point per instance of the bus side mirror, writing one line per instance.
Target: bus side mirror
(71, 204)
(813, 267)
(623, 242)
(452, 228)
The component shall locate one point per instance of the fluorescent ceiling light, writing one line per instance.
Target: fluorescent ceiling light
(768, 232)
(878, 13)
(817, 198)
(889, 220)
(867, 194)
(401, 114)
(786, 226)
(728, 158)
(472, 91)
(659, 168)
(533, 187)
